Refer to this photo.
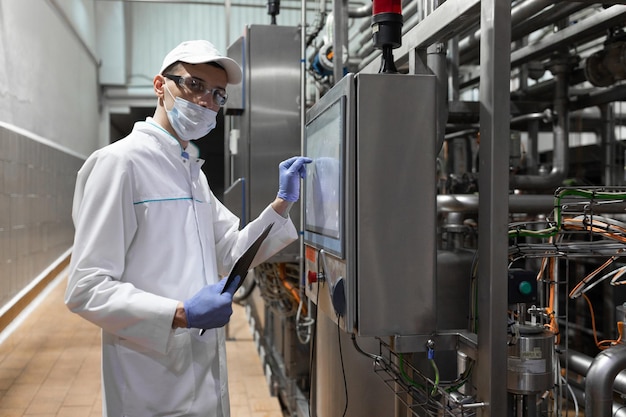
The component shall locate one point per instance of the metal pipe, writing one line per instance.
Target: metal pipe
(462, 133)
(363, 11)
(560, 159)
(436, 61)
(527, 17)
(303, 65)
(600, 379)
(518, 203)
(227, 18)
(603, 96)
(532, 148)
(453, 48)
(520, 405)
(591, 28)
(546, 116)
(339, 37)
(607, 138)
(551, 41)
(532, 121)
(618, 410)
(518, 14)
(580, 363)
(546, 17)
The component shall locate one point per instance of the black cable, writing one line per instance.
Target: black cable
(312, 354)
(343, 370)
(313, 335)
(361, 351)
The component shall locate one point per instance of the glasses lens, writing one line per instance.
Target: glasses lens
(195, 86)
(198, 88)
(220, 97)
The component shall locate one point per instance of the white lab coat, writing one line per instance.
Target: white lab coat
(150, 233)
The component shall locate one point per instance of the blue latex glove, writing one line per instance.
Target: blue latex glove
(289, 173)
(209, 307)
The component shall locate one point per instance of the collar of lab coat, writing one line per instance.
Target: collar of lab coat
(169, 142)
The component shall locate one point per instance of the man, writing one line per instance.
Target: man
(152, 241)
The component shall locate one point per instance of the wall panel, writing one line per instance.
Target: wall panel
(51, 84)
(36, 189)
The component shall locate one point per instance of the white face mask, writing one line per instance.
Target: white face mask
(189, 120)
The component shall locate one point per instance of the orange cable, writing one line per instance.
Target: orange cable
(553, 325)
(589, 277)
(593, 320)
(294, 293)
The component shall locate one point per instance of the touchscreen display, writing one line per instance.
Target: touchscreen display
(323, 187)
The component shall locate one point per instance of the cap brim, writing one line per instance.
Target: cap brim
(233, 71)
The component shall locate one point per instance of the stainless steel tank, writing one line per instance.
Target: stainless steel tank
(454, 270)
(530, 362)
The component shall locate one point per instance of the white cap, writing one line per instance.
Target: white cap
(200, 52)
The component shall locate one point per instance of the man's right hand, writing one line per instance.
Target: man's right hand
(209, 308)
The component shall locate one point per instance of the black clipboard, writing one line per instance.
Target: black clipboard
(241, 267)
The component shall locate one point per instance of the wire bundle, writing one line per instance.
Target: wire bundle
(278, 283)
(578, 230)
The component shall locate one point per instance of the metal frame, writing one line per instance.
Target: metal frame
(442, 24)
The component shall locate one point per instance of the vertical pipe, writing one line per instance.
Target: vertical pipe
(302, 130)
(561, 67)
(428, 6)
(532, 148)
(495, 64)
(453, 47)
(436, 60)
(302, 74)
(607, 134)
(420, 11)
(519, 401)
(228, 162)
(561, 129)
(339, 26)
(227, 10)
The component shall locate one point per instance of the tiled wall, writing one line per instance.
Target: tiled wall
(36, 189)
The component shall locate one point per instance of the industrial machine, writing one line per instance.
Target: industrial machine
(263, 122)
(357, 147)
(463, 230)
